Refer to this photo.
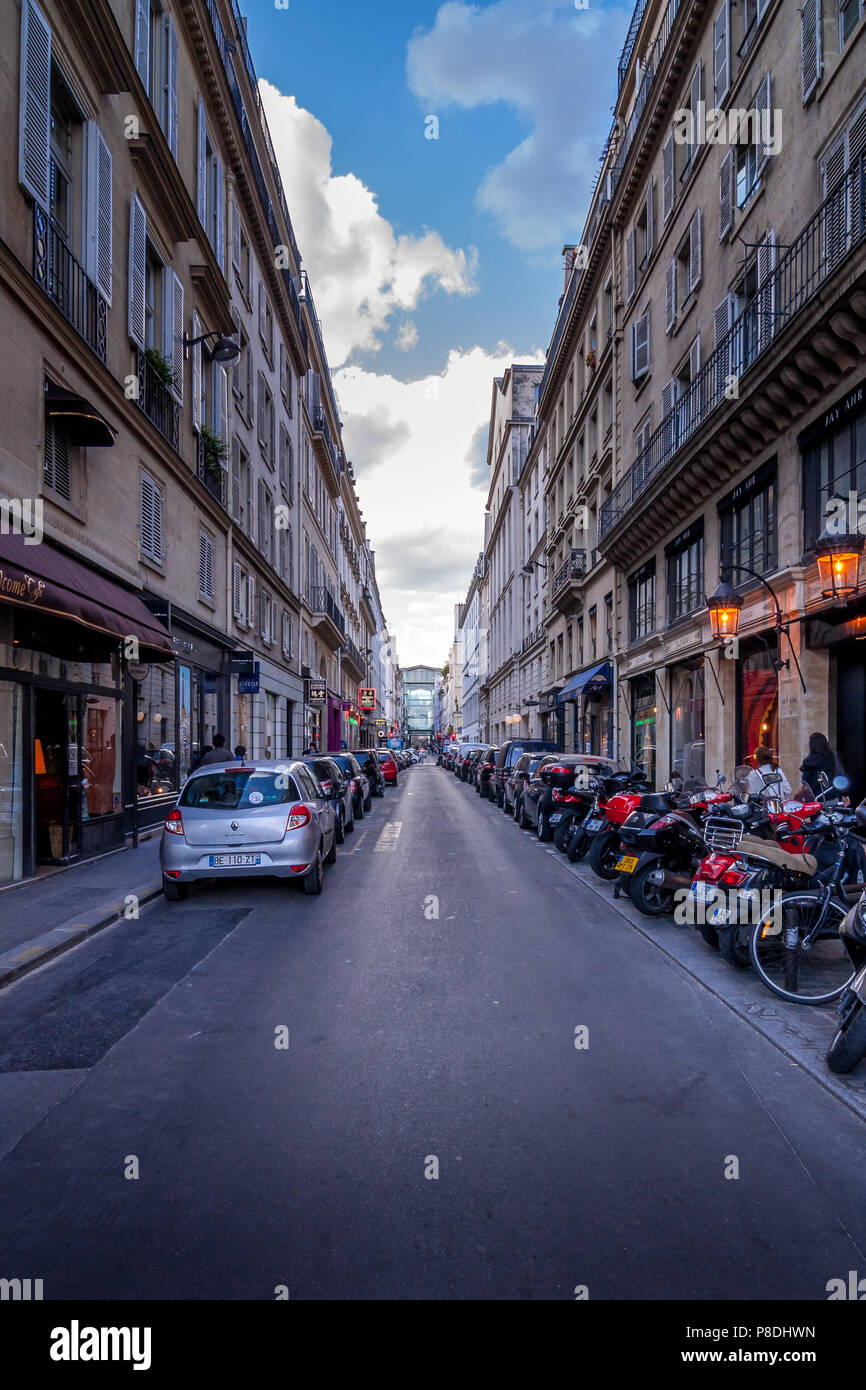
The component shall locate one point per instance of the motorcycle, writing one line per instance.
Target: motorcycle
(659, 854)
(604, 851)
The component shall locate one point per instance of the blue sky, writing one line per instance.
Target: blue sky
(432, 258)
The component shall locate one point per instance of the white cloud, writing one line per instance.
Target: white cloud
(422, 502)
(551, 62)
(361, 272)
(407, 336)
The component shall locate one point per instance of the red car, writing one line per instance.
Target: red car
(389, 764)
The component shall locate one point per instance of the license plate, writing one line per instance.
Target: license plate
(554, 820)
(626, 864)
(235, 861)
(703, 892)
(595, 824)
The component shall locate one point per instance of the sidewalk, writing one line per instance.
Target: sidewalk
(50, 914)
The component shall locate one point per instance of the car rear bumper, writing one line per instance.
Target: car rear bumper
(285, 859)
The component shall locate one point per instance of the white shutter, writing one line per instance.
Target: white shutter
(137, 256)
(766, 290)
(667, 177)
(34, 119)
(629, 265)
(283, 360)
(694, 98)
(56, 460)
(722, 53)
(223, 426)
(671, 295)
(283, 536)
(237, 579)
(150, 518)
(173, 330)
(235, 219)
(97, 209)
(765, 113)
(668, 417)
(171, 83)
(722, 319)
(640, 350)
(142, 41)
(696, 392)
(284, 439)
(201, 170)
(195, 352)
(695, 255)
(727, 193)
(812, 57)
(262, 314)
(251, 532)
(261, 420)
(235, 499)
(251, 601)
(650, 217)
(220, 247)
(205, 565)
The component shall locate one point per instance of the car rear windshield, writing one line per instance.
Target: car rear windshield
(238, 789)
(346, 764)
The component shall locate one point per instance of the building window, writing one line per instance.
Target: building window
(685, 557)
(640, 347)
(642, 602)
(205, 567)
(834, 466)
(608, 623)
(849, 16)
(687, 722)
(266, 521)
(643, 726)
(748, 524)
(265, 421)
(758, 715)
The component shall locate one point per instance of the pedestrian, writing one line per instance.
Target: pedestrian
(217, 754)
(240, 753)
(309, 750)
(820, 758)
(764, 762)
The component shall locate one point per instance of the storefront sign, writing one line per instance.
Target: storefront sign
(367, 698)
(381, 723)
(317, 692)
(249, 684)
(25, 587)
(241, 663)
(849, 404)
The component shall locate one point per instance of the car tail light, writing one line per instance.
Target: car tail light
(300, 868)
(174, 822)
(298, 815)
(568, 797)
(353, 785)
(556, 771)
(326, 787)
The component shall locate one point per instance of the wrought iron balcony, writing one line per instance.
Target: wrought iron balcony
(651, 66)
(630, 39)
(575, 567)
(327, 615)
(353, 658)
(830, 235)
(67, 284)
(211, 473)
(532, 637)
(157, 401)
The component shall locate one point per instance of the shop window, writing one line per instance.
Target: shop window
(758, 701)
(100, 771)
(155, 749)
(642, 602)
(643, 726)
(11, 782)
(748, 525)
(687, 723)
(685, 576)
(833, 468)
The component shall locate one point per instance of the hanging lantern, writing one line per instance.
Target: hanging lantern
(838, 559)
(724, 607)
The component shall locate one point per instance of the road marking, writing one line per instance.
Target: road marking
(359, 840)
(389, 836)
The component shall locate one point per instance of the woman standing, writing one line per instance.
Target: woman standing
(820, 758)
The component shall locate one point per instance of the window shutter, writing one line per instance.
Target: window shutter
(34, 120)
(766, 290)
(668, 417)
(201, 170)
(261, 309)
(671, 296)
(142, 41)
(640, 347)
(223, 427)
(235, 493)
(650, 217)
(272, 438)
(237, 580)
(722, 315)
(56, 462)
(722, 53)
(137, 255)
(97, 212)
(695, 388)
(251, 601)
(694, 98)
(171, 83)
(220, 248)
(727, 170)
(283, 369)
(284, 553)
(762, 102)
(284, 439)
(695, 261)
(629, 264)
(667, 177)
(249, 503)
(290, 470)
(236, 234)
(150, 518)
(261, 422)
(205, 565)
(262, 517)
(173, 334)
(195, 352)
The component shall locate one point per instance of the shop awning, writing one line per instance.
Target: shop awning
(85, 426)
(590, 682)
(45, 581)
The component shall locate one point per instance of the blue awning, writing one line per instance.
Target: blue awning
(590, 682)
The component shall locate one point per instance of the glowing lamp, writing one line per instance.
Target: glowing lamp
(724, 608)
(838, 559)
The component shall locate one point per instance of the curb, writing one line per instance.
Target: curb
(31, 954)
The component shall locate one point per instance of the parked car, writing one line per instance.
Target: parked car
(336, 785)
(519, 778)
(552, 777)
(243, 821)
(465, 758)
(388, 764)
(484, 771)
(508, 754)
(361, 794)
(368, 761)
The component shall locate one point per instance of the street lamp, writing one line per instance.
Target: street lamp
(224, 349)
(838, 556)
(725, 606)
(531, 566)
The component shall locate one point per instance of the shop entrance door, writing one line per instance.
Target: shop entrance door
(850, 721)
(57, 777)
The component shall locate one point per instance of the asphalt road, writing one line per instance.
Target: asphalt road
(431, 997)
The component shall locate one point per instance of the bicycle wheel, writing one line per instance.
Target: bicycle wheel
(791, 962)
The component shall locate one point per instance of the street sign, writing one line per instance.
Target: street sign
(317, 692)
(249, 684)
(381, 723)
(367, 697)
(241, 663)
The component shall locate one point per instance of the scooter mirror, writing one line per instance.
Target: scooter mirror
(841, 783)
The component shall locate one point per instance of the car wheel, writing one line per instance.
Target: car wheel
(514, 811)
(331, 856)
(175, 892)
(542, 828)
(351, 826)
(521, 817)
(339, 828)
(314, 877)
(361, 808)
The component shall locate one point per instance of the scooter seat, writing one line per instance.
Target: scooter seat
(775, 854)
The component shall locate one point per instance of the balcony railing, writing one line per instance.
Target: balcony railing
(157, 401)
(351, 653)
(830, 235)
(321, 600)
(575, 567)
(630, 40)
(532, 637)
(67, 284)
(212, 475)
(651, 66)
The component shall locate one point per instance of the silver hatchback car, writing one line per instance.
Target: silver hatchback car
(256, 820)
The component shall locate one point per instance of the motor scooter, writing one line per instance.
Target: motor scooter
(659, 854)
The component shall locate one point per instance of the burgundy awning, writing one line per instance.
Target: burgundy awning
(46, 581)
